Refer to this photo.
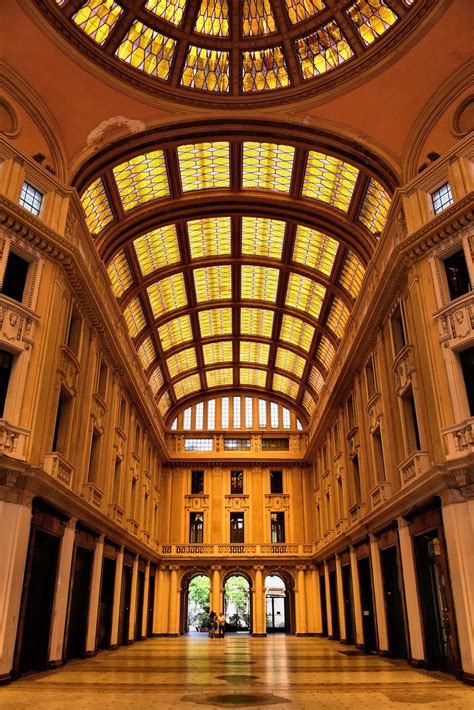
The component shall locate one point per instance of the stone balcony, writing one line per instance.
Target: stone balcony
(247, 550)
(17, 323)
(57, 466)
(13, 441)
(456, 321)
(92, 494)
(413, 467)
(380, 493)
(459, 439)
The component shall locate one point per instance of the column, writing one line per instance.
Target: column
(158, 602)
(301, 616)
(61, 594)
(143, 622)
(458, 519)
(173, 629)
(310, 610)
(379, 596)
(259, 618)
(94, 597)
(15, 522)
(116, 602)
(328, 600)
(132, 622)
(165, 594)
(340, 600)
(359, 628)
(216, 591)
(316, 600)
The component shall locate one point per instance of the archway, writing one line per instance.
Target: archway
(279, 608)
(196, 602)
(237, 604)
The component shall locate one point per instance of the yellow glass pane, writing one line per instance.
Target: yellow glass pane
(305, 294)
(264, 70)
(213, 18)
(175, 332)
(156, 380)
(352, 274)
(323, 50)
(315, 249)
(373, 213)
(285, 385)
(182, 361)
(220, 378)
(97, 18)
(297, 332)
(251, 351)
(338, 317)
(256, 321)
(187, 385)
(209, 237)
(141, 179)
(326, 352)
(146, 353)
(262, 237)
(329, 179)
(215, 322)
(257, 18)
(217, 352)
(253, 377)
(157, 249)
(372, 18)
(164, 404)
(119, 274)
(96, 206)
(170, 10)
(259, 283)
(213, 283)
(204, 166)
(288, 360)
(134, 317)
(309, 403)
(316, 380)
(167, 295)
(299, 10)
(206, 69)
(267, 166)
(147, 50)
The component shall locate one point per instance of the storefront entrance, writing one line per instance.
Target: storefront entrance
(276, 605)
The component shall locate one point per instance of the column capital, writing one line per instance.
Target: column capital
(373, 538)
(402, 522)
(173, 568)
(301, 568)
(258, 568)
(71, 523)
(216, 568)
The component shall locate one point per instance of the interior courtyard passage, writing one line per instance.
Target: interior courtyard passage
(237, 671)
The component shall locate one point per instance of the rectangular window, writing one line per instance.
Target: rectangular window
(196, 528)
(274, 415)
(356, 479)
(457, 275)
(197, 482)
(73, 340)
(102, 379)
(398, 330)
(262, 413)
(117, 481)
(138, 436)
(199, 415)
(370, 378)
(442, 198)
(211, 414)
(411, 422)
(122, 413)
(350, 414)
(237, 528)
(14, 280)
(6, 362)
(378, 457)
(275, 444)
(61, 427)
(286, 418)
(248, 413)
(278, 527)
(236, 483)
(467, 364)
(337, 444)
(225, 412)
(31, 198)
(236, 412)
(276, 481)
(198, 444)
(94, 459)
(187, 418)
(237, 444)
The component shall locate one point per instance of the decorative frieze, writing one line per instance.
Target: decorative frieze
(277, 501)
(236, 502)
(413, 467)
(13, 440)
(196, 502)
(57, 466)
(243, 550)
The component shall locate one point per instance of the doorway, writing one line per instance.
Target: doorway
(393, 602)
(125, 598)
(79, 604)
(334, 605)
(276, 605)
(106, 603)
(347, 594)
(237, 604)
(324, 609)
(367, 604)
(197, 603)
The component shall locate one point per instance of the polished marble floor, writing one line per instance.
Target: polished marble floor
(238, 671)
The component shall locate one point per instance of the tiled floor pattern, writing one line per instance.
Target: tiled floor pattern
(275, 672)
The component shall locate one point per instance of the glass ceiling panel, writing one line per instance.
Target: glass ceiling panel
(373, 213)
(217, 352)
(206, 69)
(309, 403)
(157, 249)
(252, 377)
(96, 206)
(315, 249)
(262, 237)
(182, 361)
(187, 385)
(316, 380)
(213, 283)
(299, 10)
(119, 273)
(134, 317)
(147, 50)
(323, 50)
(264, 70)
(297, 332)
(97, 18)
(167, 295)
(209, 237)
(215, 322)
(213, 18)
(352, 274)
(259, 283)
(285, 385)
(220, 378)
(156, 380)
(204, 166)
(288, 360)
(372, 18)
(169, 10)
(338, 317)
(251, 351)
(146, 353)
(305, 294)
(267, 166)
(256, 321)
(175, 332)
(326, 352)
(141, 179)
(164, 404)
(257, 18)
(329, 179)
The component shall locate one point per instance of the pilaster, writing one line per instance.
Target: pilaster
(94, 596)
(379, 595)
(61, 594)
(414, 621)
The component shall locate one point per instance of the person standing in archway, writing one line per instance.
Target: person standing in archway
(221, 623)
(212, 624)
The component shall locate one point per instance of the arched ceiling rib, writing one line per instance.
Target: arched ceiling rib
(235, 296)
